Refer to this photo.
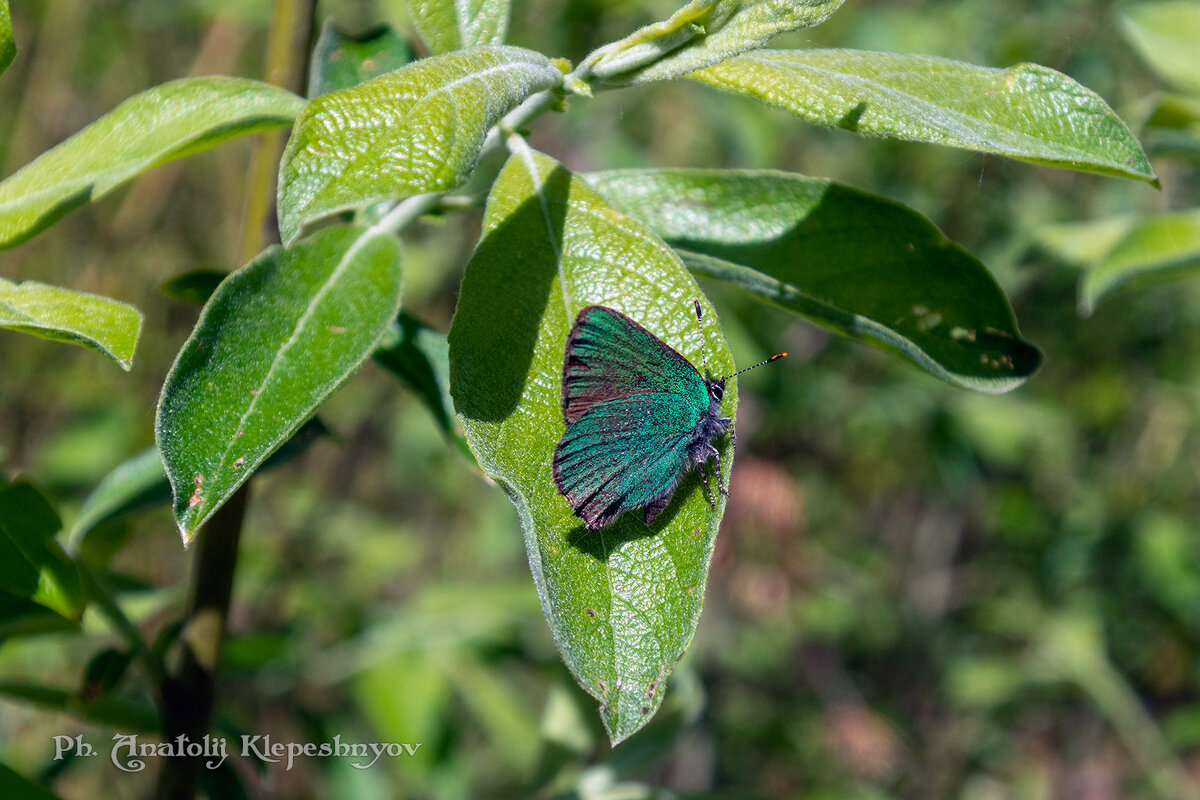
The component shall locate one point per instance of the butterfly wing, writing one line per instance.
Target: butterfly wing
(623, 454)
(609, 356)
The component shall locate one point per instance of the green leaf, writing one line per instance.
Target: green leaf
(447, 25)
(193, 287)
(702, 33)
(418, 129)
(32, 564)
(8, 45)
(159, 125)
(622, 603)
(63, 315)
(1167, 36)
(13, 785)
(1122, 249)
(419, 355)
(279, 336)
(340, 61)
(861, 265)
(1027, 112)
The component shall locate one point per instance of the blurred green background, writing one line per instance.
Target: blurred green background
(917, 593)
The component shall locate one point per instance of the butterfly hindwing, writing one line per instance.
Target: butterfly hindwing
(609, 356)
(625, 453)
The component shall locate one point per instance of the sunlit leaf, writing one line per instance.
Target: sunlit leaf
(447, 25)
(8, 45)
(1027, 112)
(622, 602)
(861, 265)
(278, 337)
(1167, 36)
(341, 61)
(702, 33)
(63, 315)
(418, 129)
(159, 125)
(32, 564)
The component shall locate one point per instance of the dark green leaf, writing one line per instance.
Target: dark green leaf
(159, 125)
(447, 25)
(861, 265)
(32, 564)
(1027, 112)
(341, 61)
(623, 602)
(21, 617)
(702, 33)
(111, 711)
(418, 355)
(104, 672)
(14, 786)
(63, 315)
(193, 287)
(278, 337)
(418, 129)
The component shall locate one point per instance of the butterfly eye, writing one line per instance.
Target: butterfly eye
(716, 391)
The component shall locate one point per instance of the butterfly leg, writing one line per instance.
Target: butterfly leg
(704, 483)
(720, 486)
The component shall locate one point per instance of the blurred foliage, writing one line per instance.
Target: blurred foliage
(917, 592)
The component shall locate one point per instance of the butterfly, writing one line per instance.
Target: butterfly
(639, 416)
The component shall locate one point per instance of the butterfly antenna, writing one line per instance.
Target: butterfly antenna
(775, 357)
(700, 324)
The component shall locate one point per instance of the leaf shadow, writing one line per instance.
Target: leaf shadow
(501, 304)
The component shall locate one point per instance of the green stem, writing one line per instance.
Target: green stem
(99, 593)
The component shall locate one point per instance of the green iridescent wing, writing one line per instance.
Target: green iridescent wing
(625, 454)
(609, 356)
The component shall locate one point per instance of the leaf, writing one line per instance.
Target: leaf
(447, 25)
(702, 33)
(1160, 247)
(279, 336)
(623, 602)
(63, 315)
(8, 45)
(193, 287)
(1166, 35)
(340, 61)
(32, 564)
(13, 785)
(418, 129)
(858, 264)
(1027, 112)
(158, 125)
(419, 355)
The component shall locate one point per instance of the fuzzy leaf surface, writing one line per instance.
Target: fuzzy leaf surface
(622, 602)
(63, 315)
(447, 25)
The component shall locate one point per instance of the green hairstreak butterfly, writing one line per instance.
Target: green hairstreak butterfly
(638, 417)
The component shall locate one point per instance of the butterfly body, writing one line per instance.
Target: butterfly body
(638, 416)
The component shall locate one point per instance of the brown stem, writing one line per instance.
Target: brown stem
(188, 694)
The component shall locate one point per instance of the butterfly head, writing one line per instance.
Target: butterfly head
(716, 389)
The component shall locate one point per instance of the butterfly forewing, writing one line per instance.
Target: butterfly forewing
(625, 453)
(610, 356)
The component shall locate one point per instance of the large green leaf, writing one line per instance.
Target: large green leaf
(63, 315)
(447, 25)
(340, 61)
(1167, 36)
(33, 565)
(623, 602)
(1121, 249)
(8, 45)
(1027, 112)
(418, 129)
(159, 125)
(701, 33)
(861, 265)
(279, 336)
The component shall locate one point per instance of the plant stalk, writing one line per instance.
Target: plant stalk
(187, 695)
